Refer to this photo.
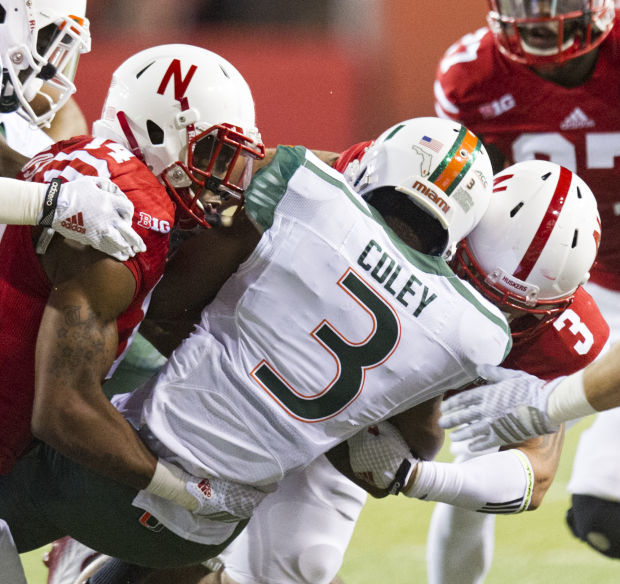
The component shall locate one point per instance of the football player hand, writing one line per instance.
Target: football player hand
(217, 499)
(222, 500)
(380, 457)
(94, 212)
(510, 409)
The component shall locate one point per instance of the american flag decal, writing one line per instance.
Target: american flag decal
(431, 143)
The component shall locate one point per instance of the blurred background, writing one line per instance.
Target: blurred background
(324, 73)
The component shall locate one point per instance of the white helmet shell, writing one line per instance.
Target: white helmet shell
(149, 88)
(439, 164)
(40, 43)
(181, 109)
(540, 234)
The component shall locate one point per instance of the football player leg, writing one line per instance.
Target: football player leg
(66, 559)
(298, 534)
(460, 542)
(595, 513)
(459, 546)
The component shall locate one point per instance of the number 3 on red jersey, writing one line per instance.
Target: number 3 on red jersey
(571, 319)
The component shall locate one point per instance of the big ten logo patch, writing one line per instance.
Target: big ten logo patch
(149, 222)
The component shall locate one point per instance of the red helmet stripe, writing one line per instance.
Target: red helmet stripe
(546, 226)
(497, 183)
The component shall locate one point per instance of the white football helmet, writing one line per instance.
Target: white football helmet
(40, 44)
(189, 115)
(439, 164)
(536, 242)
(538, 32)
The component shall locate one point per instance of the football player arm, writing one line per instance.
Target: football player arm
(11, 161)
(515, 406)
(419, 427)
(326, 156)
(543, 453)
(601, 382)
(193, 276)
(498, 482)
(76, 345)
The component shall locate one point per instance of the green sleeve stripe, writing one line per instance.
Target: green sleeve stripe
(270, 183)
(460, 287)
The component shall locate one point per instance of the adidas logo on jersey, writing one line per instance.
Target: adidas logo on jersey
(575, 120)
(74, 223)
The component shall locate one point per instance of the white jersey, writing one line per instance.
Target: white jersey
(23, 136)
(332, 324)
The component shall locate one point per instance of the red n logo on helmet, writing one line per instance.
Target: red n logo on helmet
(180, 84)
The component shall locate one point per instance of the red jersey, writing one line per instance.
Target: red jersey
(527, 117)
(570, 343)
(25, 287)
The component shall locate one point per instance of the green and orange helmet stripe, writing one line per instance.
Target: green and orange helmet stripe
(457, 162)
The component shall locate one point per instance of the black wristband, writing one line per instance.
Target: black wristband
(50, 201)
(400, 480)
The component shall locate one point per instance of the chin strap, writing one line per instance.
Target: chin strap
(129, 135)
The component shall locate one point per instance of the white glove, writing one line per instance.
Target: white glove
(217, 499)
(93, 211)
(380, 457)
(510, 409)
(222, 500)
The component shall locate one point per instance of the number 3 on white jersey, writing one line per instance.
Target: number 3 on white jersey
(353, 359)
(577, 328)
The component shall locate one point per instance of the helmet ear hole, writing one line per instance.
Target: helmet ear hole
(516, 209)
(2, 14)
(156, 134)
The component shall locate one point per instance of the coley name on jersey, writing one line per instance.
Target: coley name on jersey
(386, 271)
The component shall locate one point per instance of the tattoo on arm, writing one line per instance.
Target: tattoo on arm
(72, 315)
(81, 343)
